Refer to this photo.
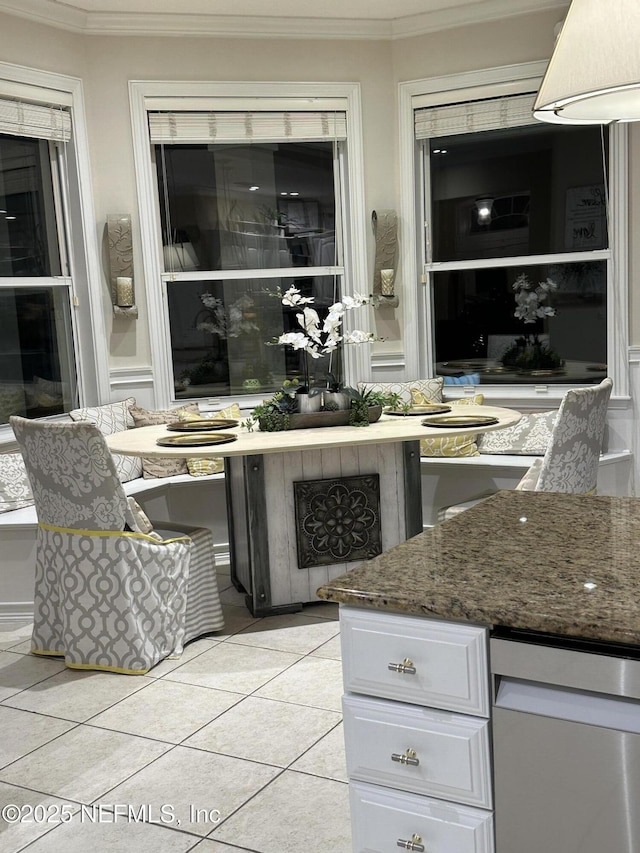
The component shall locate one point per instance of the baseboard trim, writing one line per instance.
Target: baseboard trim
(16, 611)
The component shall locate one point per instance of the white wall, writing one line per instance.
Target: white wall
(106, 64)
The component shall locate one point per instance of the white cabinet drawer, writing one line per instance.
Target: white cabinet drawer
(451, 758)
(382, 817)
(447, 663)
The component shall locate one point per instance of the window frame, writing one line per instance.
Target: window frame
(147, 96)
(75, 229)
(493, 83)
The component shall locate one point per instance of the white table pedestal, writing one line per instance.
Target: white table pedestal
(265, 526)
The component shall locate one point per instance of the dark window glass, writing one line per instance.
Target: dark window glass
(221, 331)
(522, 191)
(36, 365)
(28, 238)
(237, 207)
(478, 332)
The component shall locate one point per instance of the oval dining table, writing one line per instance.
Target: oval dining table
(307, 505)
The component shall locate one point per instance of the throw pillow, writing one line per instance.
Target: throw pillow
(154, 467)
(461, 445)
(430, 388)
(202, 467)
(15, 489)
(110, 418)
(139, 520)
(529, 481)
(529, 437)
(12, 401)
(467, 379)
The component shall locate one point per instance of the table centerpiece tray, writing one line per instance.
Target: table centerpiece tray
(314, 420)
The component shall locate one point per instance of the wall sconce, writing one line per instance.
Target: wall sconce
(385, 229)
(120, 246)
(484, 210)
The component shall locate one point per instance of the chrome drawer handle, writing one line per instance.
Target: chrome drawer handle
(405, 667)
(408, 757)
(413, 844)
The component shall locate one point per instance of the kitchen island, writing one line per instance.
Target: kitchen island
(492, 678)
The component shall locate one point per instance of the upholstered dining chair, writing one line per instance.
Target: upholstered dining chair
(110, 592)
(570, 463)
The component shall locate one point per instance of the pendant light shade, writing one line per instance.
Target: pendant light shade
(593, 76)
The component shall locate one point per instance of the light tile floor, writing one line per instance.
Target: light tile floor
(235, 747)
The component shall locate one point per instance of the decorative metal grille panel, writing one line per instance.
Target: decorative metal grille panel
(337, 520)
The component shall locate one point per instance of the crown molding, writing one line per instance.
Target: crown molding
(64, 16)
(482, 12)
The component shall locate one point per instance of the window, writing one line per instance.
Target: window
(251, 209)
(37, 351)
(517, 249)
(245, 195)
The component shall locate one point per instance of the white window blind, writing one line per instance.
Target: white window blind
(473, 116)
(242, 126)
(36, 120)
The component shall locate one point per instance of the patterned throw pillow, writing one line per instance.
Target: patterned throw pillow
(12, 401)
(529, 481)
(202, 467)
(113, 417)
(529, 437)
(15, 490)
(430, 388)
(156, 466)
(461, 445)
(139, 518)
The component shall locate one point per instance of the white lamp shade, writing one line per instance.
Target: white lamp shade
(179, 257)
(594, 73)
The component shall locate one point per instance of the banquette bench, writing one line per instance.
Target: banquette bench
(201, 500)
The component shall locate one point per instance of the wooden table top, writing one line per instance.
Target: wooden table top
(142, 441)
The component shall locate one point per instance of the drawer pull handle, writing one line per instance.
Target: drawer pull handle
(405, 667)
(413, 844)
(408, 757)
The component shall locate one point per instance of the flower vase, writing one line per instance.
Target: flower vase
(308, 403)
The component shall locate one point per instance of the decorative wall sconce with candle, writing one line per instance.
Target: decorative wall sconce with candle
(120, 246)
(385, 229)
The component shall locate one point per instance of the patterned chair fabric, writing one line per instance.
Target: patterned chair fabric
(570, 463)
(107, 595)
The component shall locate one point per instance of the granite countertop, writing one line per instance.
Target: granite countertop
(564, 564)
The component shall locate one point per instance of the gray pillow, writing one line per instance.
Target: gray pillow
(155, 467)
(15, 491)
(529, 437)
(110, 418)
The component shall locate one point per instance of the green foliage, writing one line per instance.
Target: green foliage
(361, 401)
(532, 356)
(371, 397)
(273, 414)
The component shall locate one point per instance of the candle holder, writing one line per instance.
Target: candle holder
(124, 292)
(387, 282)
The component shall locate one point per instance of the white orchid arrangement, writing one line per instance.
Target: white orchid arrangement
(529, 299)
(319, 338)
